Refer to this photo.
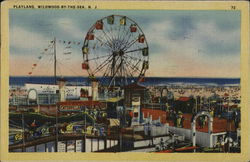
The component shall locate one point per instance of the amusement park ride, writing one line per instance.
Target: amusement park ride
(115, 50)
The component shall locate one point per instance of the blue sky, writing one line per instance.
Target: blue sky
(181, 43)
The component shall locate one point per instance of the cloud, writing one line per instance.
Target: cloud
(24, 39)
(69, 29)
(198, 49)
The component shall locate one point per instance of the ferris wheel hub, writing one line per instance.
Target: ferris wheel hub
(118, 53)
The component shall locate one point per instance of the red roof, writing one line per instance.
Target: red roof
(184, 99)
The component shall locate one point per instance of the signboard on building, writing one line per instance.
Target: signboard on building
(70, 91)
(69, 106)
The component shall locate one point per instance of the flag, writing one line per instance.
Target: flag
(123, 21)
(110, 19)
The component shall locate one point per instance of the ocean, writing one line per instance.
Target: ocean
(149, 81)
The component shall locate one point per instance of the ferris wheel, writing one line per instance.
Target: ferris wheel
(115, 50)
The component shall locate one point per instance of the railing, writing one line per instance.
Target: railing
(89, 143)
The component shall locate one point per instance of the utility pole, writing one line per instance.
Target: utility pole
(55, 59)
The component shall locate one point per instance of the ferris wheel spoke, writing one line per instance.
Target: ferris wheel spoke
(140, 49)
(131, 71)
(108, 44)
(126, 42)
(115, 73)
(102, 64)
(98, 58)
(130, 39)
(106, 73)
(124, 33)
(133, 58)
(135, 64)
(118, 35)
(112, 33)
(131, 75)
(100, 44)
(107, 38)
(130, 44)
(134, 67)
(107, 33)
(126, 39)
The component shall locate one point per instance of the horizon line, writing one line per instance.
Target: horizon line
(145, 76)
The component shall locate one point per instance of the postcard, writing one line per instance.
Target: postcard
(125, 81)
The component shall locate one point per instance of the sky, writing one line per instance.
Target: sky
(181, 43)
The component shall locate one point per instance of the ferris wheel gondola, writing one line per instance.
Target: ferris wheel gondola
(115, 51)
